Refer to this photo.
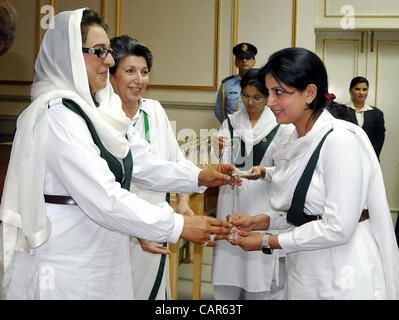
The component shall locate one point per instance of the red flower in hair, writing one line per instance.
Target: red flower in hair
(330, 97)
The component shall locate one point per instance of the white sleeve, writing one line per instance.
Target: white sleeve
(278, 220)
(152, 173)
(74, 159)
(174, 150)
(269, 173)
(342, 176)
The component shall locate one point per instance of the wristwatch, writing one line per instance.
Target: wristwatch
(266, 249)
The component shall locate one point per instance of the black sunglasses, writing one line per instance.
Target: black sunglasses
(100, 52)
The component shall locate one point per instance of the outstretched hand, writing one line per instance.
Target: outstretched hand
(241, 221)
(148, 246)
(218, 175)
(248, 241)
(199, 229)
(258, 172)
(247, 223)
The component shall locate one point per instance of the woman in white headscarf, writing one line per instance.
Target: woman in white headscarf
(70, 146)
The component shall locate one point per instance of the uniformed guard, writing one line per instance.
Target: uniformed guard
(229, 94)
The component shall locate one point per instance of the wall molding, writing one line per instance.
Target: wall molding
(166, 104)
(356, 41)
(215, 84)
(235, 26)
(14, 98)
(379, 43)
(294, 22)
(326, 15)
(187, 105)
(235, 31)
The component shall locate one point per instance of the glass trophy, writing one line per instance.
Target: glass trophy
(233, 216)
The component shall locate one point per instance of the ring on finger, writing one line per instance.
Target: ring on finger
(212, 237)
(205, 243)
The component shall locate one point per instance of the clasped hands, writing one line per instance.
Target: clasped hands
(202, 229)
(207, 230)
(212, 229)
(244, 225)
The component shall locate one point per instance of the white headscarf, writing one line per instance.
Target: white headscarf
(59, 73)
(243, 128)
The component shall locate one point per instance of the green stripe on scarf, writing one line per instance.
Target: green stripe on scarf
(113, 163)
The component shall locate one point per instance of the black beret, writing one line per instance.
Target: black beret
(245, 49)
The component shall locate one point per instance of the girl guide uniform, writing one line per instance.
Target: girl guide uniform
(343, 252)
(254, 272)
(78, 251)
(151, 271)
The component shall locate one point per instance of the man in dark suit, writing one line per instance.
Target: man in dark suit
(371, 119)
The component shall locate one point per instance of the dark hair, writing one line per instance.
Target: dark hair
(250, 78)
(340, 111)
(357, 80)
(8, 17)
(125, 46)
(297, 68)
(90, 18)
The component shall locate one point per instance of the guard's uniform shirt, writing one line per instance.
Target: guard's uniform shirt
(229, 97)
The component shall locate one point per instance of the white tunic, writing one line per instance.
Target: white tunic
(163, 142)
(252, 271)
(336, 257)
(87, 255)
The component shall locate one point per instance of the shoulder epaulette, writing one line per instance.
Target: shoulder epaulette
(228, 78)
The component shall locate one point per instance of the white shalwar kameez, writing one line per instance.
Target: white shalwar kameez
(254, 271)
(163, 143)
(336, 257)
(81, 251)
(88, 254)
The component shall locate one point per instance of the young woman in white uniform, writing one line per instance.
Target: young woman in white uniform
(237, 274)
(129, 78)
(66, 212)
(327, 185)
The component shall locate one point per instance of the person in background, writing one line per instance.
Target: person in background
(236, 274)
(370, 119)
(66, 210)
(129, 78)
(326, 185)
(228, 98)
(338, 110)
(8, 19)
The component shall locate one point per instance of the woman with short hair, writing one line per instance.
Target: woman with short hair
(129, 78)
